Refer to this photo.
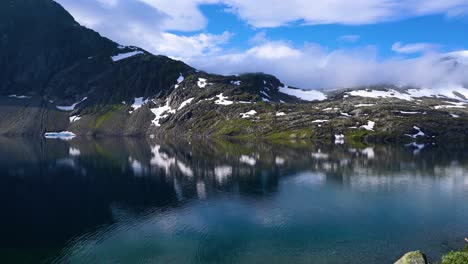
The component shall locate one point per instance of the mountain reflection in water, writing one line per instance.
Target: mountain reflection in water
(140, 201)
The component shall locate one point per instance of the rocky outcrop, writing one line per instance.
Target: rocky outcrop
(415, 257)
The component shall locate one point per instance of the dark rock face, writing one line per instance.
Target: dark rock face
(56, 75)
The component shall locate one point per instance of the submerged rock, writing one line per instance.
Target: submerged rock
(415, 257)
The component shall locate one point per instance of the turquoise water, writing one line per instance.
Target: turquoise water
(137, 201)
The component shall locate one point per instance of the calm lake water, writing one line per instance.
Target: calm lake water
(138, 201)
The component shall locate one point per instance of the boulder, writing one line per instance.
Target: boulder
(415, 257)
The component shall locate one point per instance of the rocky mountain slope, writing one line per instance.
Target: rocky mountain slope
(56, 75)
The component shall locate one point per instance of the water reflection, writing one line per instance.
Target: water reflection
(124, 200)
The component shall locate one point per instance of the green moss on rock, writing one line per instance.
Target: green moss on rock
(415, 257)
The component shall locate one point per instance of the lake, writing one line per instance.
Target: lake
(149, 201)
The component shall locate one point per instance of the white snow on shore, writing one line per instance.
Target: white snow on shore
(64, 135)
(339, 139)
(370, 126)
(419, 134)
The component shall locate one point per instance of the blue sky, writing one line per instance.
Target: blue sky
(312, 44)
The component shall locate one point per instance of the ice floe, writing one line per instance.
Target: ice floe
(64, 135)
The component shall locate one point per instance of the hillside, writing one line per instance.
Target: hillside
(56, 75)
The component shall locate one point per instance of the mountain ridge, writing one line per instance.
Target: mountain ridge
(66, 77)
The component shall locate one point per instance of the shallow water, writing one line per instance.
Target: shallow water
(136, 201)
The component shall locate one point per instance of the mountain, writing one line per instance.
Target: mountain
(56, 75)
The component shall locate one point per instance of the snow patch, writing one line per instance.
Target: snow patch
(185, 103)
(74, 118)
(138, 102)
(364, 105)
(310, 95)
(19, 96)
(381, 94)
(370, 126)
(222, 100)
(161, 113)
(280, 114)
(451, 105)
(339, 139)
(248, 114)
(419, 134)
(71, 107)
(202, 83)
(123, 56)
(320, 121)
(236, 83)
(409, 113)
(179, 80)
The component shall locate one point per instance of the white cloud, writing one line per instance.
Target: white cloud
(140, 24)
(313, 67)
(412, 48)
(357, 12)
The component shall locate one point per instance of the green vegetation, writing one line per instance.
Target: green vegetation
(302, 133)
(111, 110)
(456, 257)
(235, 127)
